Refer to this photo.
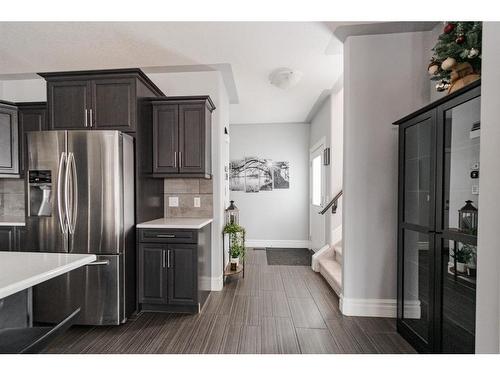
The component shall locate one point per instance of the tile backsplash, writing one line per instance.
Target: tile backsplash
(11, 197)
(186, 189)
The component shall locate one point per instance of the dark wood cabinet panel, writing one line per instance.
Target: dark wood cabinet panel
(7, 238)
(182, 275)
(68, 103)
(113, 104)
(32, 117)
(165, 138)
(191, 138)
(9, 141)
(152, 274)
(182, 139)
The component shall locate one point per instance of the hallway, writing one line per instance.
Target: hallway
(273, 310)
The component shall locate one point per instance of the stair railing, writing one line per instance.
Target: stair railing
(333, 204)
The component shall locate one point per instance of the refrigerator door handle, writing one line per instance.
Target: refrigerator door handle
(71, 182)
(62, 216)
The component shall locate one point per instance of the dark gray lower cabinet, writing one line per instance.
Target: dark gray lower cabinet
(153, 274)
(7, 238)
(182, 275)
(171, 266)
(12, 238)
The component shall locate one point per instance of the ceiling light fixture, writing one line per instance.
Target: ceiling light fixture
(285, 78)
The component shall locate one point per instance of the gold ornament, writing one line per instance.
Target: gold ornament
(448, 64)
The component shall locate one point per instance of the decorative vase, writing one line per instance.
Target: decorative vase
(462, 75)
(460, 267)
(234, 263)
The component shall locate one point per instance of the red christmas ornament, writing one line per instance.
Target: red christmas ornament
(449, 28)
(460, 39)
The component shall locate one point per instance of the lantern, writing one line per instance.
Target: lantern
(467, 218)
(232, 214)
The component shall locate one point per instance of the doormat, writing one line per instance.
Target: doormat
(288, 257)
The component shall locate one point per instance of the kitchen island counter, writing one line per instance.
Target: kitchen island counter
(22, 270)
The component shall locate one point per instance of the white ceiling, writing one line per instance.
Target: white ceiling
(251, 50)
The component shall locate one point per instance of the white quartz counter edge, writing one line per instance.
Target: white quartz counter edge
(175, 223)
(12, 221)
(22, 270)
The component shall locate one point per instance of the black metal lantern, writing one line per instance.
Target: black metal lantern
(467, 218)
(232, 214)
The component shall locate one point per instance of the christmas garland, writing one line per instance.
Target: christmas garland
(459, 43)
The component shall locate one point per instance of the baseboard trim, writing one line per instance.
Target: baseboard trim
(279, 243)
(216, 283)
(381, 308)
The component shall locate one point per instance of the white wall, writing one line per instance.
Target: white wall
(24, 90)
(207, 83)
(278, 217)
(488, 288)
(385, 78)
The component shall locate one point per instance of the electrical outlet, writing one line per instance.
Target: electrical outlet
(197, 202)
(475, 189)
(173, 201)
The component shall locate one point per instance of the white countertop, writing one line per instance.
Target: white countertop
(176, 223)
(22, 270)
(12, 221)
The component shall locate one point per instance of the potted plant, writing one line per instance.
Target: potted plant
(471, 264)
(462, 256)
(236, 244)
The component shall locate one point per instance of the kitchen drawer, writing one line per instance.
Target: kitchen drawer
(168, 235)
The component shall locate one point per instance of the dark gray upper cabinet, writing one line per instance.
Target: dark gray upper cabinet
(103, 99)
(68, 104)
(165, 138)
(182, 137)
(32, 116)
(114, 104)
(9, 145)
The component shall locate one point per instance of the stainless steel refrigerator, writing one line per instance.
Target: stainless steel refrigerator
(80, 199)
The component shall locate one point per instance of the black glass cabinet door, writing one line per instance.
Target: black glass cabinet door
(417, 142)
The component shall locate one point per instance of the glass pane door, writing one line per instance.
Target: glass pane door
(417, 255)
(417, 172)
(461, 167)
(458, 317)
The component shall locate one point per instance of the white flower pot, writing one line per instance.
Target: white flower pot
(461, 267)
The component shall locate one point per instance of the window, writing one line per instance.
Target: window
(316, 181)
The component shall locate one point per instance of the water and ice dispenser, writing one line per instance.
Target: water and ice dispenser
(40, 193)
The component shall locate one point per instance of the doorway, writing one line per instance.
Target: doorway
(316, 195)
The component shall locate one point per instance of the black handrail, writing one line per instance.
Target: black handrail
(332, 204)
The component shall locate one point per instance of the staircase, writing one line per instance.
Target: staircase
(328, 262)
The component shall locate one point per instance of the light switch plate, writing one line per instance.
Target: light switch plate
(197, 202)
(173, 201)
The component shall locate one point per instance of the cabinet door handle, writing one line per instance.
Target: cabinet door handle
(168, 259)
(86, 124)
(163, 255)
(180, 159)
(165, 235)
(175, 159)
(91, 117)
